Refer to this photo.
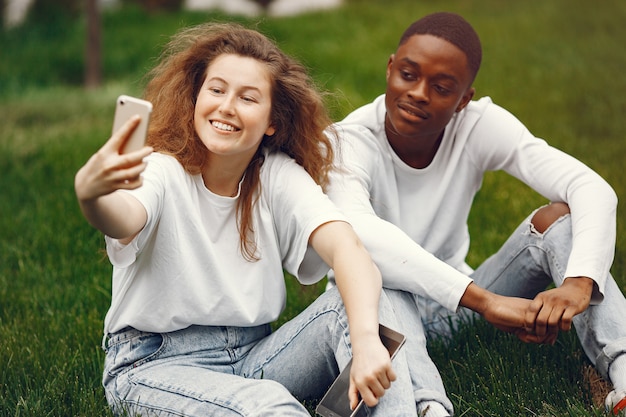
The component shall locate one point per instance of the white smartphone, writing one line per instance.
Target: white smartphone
(125, 108)
(335, 402)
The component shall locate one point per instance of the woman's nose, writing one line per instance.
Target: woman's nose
(227, 106)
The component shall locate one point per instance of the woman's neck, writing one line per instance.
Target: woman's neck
(223, 175)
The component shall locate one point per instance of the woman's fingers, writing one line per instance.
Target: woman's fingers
(118, 139)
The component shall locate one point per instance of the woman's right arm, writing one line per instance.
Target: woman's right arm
(118, 215)
(359, 283)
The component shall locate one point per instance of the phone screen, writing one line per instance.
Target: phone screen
(335, 402)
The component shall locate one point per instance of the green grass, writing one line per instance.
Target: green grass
(557, 65)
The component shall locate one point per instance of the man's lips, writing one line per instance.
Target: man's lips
(413, 111)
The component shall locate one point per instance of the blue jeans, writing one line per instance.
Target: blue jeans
(426, 381)
(239, 371)
(526, 264)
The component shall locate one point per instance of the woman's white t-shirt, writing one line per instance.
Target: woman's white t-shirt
(186, 267)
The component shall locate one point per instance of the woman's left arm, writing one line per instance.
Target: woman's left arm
(359, 283)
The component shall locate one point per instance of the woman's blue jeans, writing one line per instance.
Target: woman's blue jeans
(239, 371)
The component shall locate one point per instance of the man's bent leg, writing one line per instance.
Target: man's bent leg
(535, 256)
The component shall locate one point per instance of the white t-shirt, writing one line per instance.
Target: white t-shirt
(185, 267)
(403, 214)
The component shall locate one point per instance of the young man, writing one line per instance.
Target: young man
(411, 164)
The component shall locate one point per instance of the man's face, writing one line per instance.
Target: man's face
(427, 82)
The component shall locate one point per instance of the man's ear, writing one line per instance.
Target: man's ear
(467, 97)
(389, 64)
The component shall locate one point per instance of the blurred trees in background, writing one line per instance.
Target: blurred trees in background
(3, 7)
(65, 42)
(47, 11)
(158, 5)
(50, 15)
(93, 46)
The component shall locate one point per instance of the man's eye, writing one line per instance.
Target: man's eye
(441, 90)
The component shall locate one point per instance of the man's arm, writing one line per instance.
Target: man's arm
(506, 144)
(406, 266)
(403, 263)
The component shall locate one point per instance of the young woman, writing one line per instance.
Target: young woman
(200, 230)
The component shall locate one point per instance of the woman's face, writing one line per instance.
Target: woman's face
(233, 106)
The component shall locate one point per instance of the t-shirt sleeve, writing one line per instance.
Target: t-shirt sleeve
(501, 141)
(150, 195)
(299, 206)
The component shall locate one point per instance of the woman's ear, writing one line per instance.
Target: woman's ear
(270, 131)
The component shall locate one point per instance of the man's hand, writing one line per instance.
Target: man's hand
(505, 313)
(554, 309)
(508, 314)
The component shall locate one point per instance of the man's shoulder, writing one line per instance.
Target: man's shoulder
(480, 105)
(363, 126)
(480, 115)
(370, 116)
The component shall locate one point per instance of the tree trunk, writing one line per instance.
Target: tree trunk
(93, 50)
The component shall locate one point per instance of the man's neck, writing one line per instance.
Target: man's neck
(416, 152)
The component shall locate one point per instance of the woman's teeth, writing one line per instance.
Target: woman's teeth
(223, 126)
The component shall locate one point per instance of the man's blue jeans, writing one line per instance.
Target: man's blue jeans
(527, 264)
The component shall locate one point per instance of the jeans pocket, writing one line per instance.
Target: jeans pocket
(126, 353)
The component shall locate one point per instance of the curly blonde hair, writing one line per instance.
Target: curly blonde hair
(298, 112)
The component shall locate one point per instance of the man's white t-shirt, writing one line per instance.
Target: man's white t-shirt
(413, 219)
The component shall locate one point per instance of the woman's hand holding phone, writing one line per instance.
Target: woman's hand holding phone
(118, 215)
(371, 373)
(339, 400)
(108, 170)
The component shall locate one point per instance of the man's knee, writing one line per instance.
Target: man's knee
(547, 215)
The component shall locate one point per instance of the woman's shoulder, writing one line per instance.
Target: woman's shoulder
(157, 161)
(280, 171)
(164, 169)
(278, 160)
(163, 159)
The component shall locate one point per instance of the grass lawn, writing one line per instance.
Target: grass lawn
(556, 64)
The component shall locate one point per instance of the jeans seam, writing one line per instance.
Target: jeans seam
(296, 333)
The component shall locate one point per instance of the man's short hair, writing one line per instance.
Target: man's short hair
(452, 28)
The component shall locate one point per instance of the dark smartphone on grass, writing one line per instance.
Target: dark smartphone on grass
(335, 402)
